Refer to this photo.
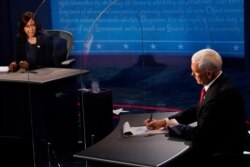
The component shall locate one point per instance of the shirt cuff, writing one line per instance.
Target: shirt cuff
(166, 125)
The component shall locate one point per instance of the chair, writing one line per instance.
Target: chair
(63, 43)
(246, 153)
(234, 159)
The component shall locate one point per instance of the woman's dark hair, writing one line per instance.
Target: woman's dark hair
(23, 20)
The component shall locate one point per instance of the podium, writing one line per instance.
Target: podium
(38, 114)
(96, 115)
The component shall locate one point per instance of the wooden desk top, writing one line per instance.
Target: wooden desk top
(137, 151)
(41, 76)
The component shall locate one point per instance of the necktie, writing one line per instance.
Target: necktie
(202, 94)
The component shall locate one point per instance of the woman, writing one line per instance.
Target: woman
(33, 47)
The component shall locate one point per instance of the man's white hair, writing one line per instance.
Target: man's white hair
(207, 59)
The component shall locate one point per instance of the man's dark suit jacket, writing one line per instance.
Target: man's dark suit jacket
(220, 121)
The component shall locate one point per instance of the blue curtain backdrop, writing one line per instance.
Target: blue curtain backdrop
(150, 84)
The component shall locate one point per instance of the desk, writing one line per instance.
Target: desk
(47, 95)
(136, 151)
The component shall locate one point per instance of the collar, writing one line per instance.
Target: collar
(210, 83)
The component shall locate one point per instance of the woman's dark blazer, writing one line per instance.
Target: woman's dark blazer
(44, 51)
(220, 121)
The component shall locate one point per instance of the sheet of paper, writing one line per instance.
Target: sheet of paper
(120, 110)
(4, 68)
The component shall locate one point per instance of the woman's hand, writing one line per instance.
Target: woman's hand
(24, 65)
(12, 67)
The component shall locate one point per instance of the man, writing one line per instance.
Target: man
(220, 116)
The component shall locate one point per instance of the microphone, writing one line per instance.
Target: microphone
(37, 9)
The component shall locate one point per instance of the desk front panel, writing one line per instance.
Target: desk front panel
(51, 106)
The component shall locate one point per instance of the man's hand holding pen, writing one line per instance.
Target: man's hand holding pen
(153, 124)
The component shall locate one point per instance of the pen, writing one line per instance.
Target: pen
(151, 117)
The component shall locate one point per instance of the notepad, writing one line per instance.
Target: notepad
(141, 130)
(120, 110)
(4, 68)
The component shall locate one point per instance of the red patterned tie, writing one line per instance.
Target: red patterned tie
(202, 94)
